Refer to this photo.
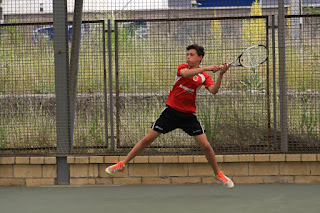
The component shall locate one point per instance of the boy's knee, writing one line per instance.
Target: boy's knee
(147, 140)
(206, 147)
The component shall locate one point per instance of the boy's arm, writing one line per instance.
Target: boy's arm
(215, 88)
(186, 73)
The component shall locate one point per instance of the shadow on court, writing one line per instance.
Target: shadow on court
(162, 198)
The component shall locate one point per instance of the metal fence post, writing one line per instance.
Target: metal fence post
(61, 63)
(275, 137)
(74, 61)
(282, 77)
(268, 82)
(110, 84)
(105, 91)
(116, 53)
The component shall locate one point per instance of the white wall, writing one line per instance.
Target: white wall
(1, 13)
(136, 4)
(26, 6)
(33, 6)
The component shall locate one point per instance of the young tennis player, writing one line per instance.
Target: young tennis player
(180, 111)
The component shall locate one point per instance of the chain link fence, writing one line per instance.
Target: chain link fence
(302, 58)
(128, 57)
(143, 83)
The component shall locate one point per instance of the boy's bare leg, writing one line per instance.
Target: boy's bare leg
(141, 145)
(208, 152)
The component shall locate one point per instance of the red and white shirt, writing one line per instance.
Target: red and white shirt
(182, 96)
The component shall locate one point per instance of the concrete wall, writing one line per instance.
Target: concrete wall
(89, 170)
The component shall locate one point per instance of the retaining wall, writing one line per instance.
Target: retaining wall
(89, 170)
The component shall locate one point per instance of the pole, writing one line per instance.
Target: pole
(61, 64)
(74, 61)
(275, 140)
(282, 77)
(110, 84)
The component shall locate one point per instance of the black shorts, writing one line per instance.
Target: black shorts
(171, 119)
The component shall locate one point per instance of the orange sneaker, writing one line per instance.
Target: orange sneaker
(227, 182)
(119, 166)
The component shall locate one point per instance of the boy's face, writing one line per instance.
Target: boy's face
(193, 59)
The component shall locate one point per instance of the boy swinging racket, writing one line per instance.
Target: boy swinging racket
(180, 111)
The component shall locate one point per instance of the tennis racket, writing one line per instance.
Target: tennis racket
(251, 57)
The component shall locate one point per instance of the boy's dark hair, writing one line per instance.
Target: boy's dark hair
(199, 49)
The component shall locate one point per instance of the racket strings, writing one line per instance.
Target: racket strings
(254, 56)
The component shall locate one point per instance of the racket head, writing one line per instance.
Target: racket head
(252, 57)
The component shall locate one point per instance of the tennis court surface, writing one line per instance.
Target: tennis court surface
(282, 198)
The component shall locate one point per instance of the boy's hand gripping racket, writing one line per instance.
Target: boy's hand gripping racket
(251, 57)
